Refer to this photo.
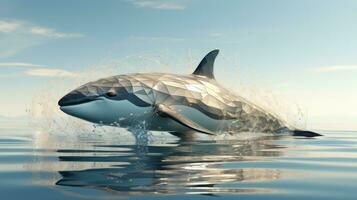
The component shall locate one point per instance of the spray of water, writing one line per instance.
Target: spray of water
(252, 87)
(280, 106)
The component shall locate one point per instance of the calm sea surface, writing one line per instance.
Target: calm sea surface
(47, 166)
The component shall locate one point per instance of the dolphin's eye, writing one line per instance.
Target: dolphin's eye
(111, 94)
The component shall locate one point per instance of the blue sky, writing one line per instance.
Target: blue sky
(304, 50)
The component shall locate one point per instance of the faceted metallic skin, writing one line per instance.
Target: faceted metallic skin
(199, 92)
(188, 102)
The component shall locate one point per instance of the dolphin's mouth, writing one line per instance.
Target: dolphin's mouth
(72, 99)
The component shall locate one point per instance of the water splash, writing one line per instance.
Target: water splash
(140, 133)
(282, 107)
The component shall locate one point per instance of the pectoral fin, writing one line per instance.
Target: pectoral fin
(166, 111)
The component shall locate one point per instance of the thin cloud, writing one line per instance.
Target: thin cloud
(53, 33)
(216, 34)
(18, 35)
(157, 39)
(34, 70)
(19, 64)
(9, 26)
(336, 68)
(158, 4)
(45, 72)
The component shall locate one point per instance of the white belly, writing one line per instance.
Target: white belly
(122, 113)
(125, 114)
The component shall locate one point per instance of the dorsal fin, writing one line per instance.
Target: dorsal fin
(205, 68)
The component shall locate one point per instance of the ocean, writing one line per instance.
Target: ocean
(39, 165)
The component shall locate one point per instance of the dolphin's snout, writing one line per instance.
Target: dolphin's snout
(74, 98)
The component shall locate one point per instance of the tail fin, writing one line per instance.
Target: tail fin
(305, 133)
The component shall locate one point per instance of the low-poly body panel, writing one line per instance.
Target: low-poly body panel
(198, 92)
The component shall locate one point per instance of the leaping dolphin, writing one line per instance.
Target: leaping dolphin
(179, 104)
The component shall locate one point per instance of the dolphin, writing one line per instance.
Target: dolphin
(174, 103)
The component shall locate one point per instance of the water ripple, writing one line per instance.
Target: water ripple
(278, 166)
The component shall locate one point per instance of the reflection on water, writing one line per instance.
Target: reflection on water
(112, 166)
(176, 167)
(187, 167)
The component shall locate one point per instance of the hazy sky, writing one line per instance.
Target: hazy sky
(305, 50)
